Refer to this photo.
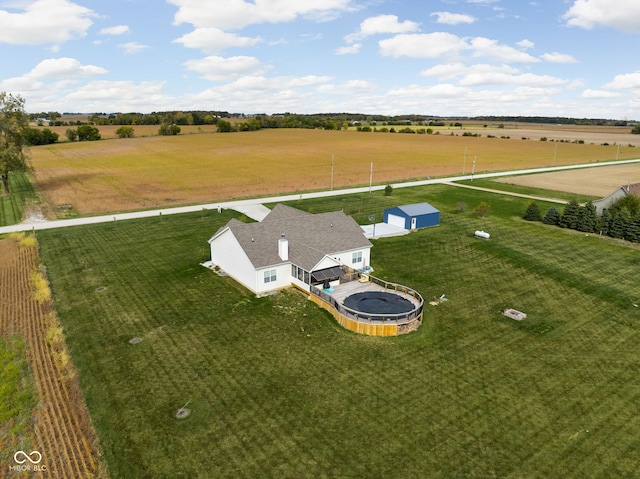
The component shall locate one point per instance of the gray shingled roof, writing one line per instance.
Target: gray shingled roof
(418, 209)
(310, 236)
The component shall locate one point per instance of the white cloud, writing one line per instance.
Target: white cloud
(236, 14)
(500, 78)
(449, 18)
(599, 94)
(382, 24)
(526, 44)
(128, 95)
(437, 44)
(131, 48)
(349, 49)
(358, 85)
(444, 90)
(622, 14)
(64, 68)
(116, 30)
(485, 74)
(422, 45)
(217, 68)
(276, 83)
(556, 57)
(488, 48)
(21, 84)
(214, 40)
(451, 71)
(625, 81)
(45, 21)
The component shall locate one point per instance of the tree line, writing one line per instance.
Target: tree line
(621, 220)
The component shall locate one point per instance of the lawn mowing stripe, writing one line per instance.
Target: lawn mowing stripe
(471, 391)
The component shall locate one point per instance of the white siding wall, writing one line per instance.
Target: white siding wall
(283, 278)
(227, 253)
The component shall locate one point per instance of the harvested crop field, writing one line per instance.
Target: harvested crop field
(591, 181)
(60, 429)
(145, 173)
(597, 135)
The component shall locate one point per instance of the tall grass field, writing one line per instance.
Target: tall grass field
(275, 388)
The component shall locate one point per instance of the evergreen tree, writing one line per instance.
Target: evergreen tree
(533, 212)
(604, 222)
(618, 225)
(632, 231)
(552, 217)
(569, 218)
(587, 218)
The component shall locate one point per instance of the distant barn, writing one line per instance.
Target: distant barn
(410, 217)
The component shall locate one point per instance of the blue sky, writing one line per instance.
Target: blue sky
(575, 58)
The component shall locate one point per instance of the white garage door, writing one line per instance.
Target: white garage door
(396, 220)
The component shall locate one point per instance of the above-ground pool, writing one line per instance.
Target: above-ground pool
(379, 302)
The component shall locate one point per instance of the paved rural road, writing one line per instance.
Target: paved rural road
(254, 206)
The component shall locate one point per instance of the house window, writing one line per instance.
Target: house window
(270, 276)
(356, 257)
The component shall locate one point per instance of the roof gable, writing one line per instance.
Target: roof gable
(633, 188)
(284, 212)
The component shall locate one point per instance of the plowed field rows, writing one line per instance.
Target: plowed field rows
(62, 432)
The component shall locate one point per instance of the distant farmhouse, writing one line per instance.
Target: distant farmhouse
(611, 198)
(289, 247)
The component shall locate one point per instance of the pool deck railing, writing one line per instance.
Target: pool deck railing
(372, 324)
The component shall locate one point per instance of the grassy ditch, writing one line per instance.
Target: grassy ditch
(21, 195)
(17, 399)
(276, 388)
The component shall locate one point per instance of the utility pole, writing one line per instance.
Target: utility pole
(370, 177)
(473, 168)
(332, 171)
(464, 161)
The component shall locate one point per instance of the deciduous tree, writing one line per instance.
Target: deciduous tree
(483, 208)
(224, 126)
(71, 134)
(13, 143)
(167, 130)
(125, 132)
(88, 133)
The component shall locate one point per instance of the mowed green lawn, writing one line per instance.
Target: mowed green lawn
(277, 389)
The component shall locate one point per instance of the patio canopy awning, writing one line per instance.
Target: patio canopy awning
(327, 274)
